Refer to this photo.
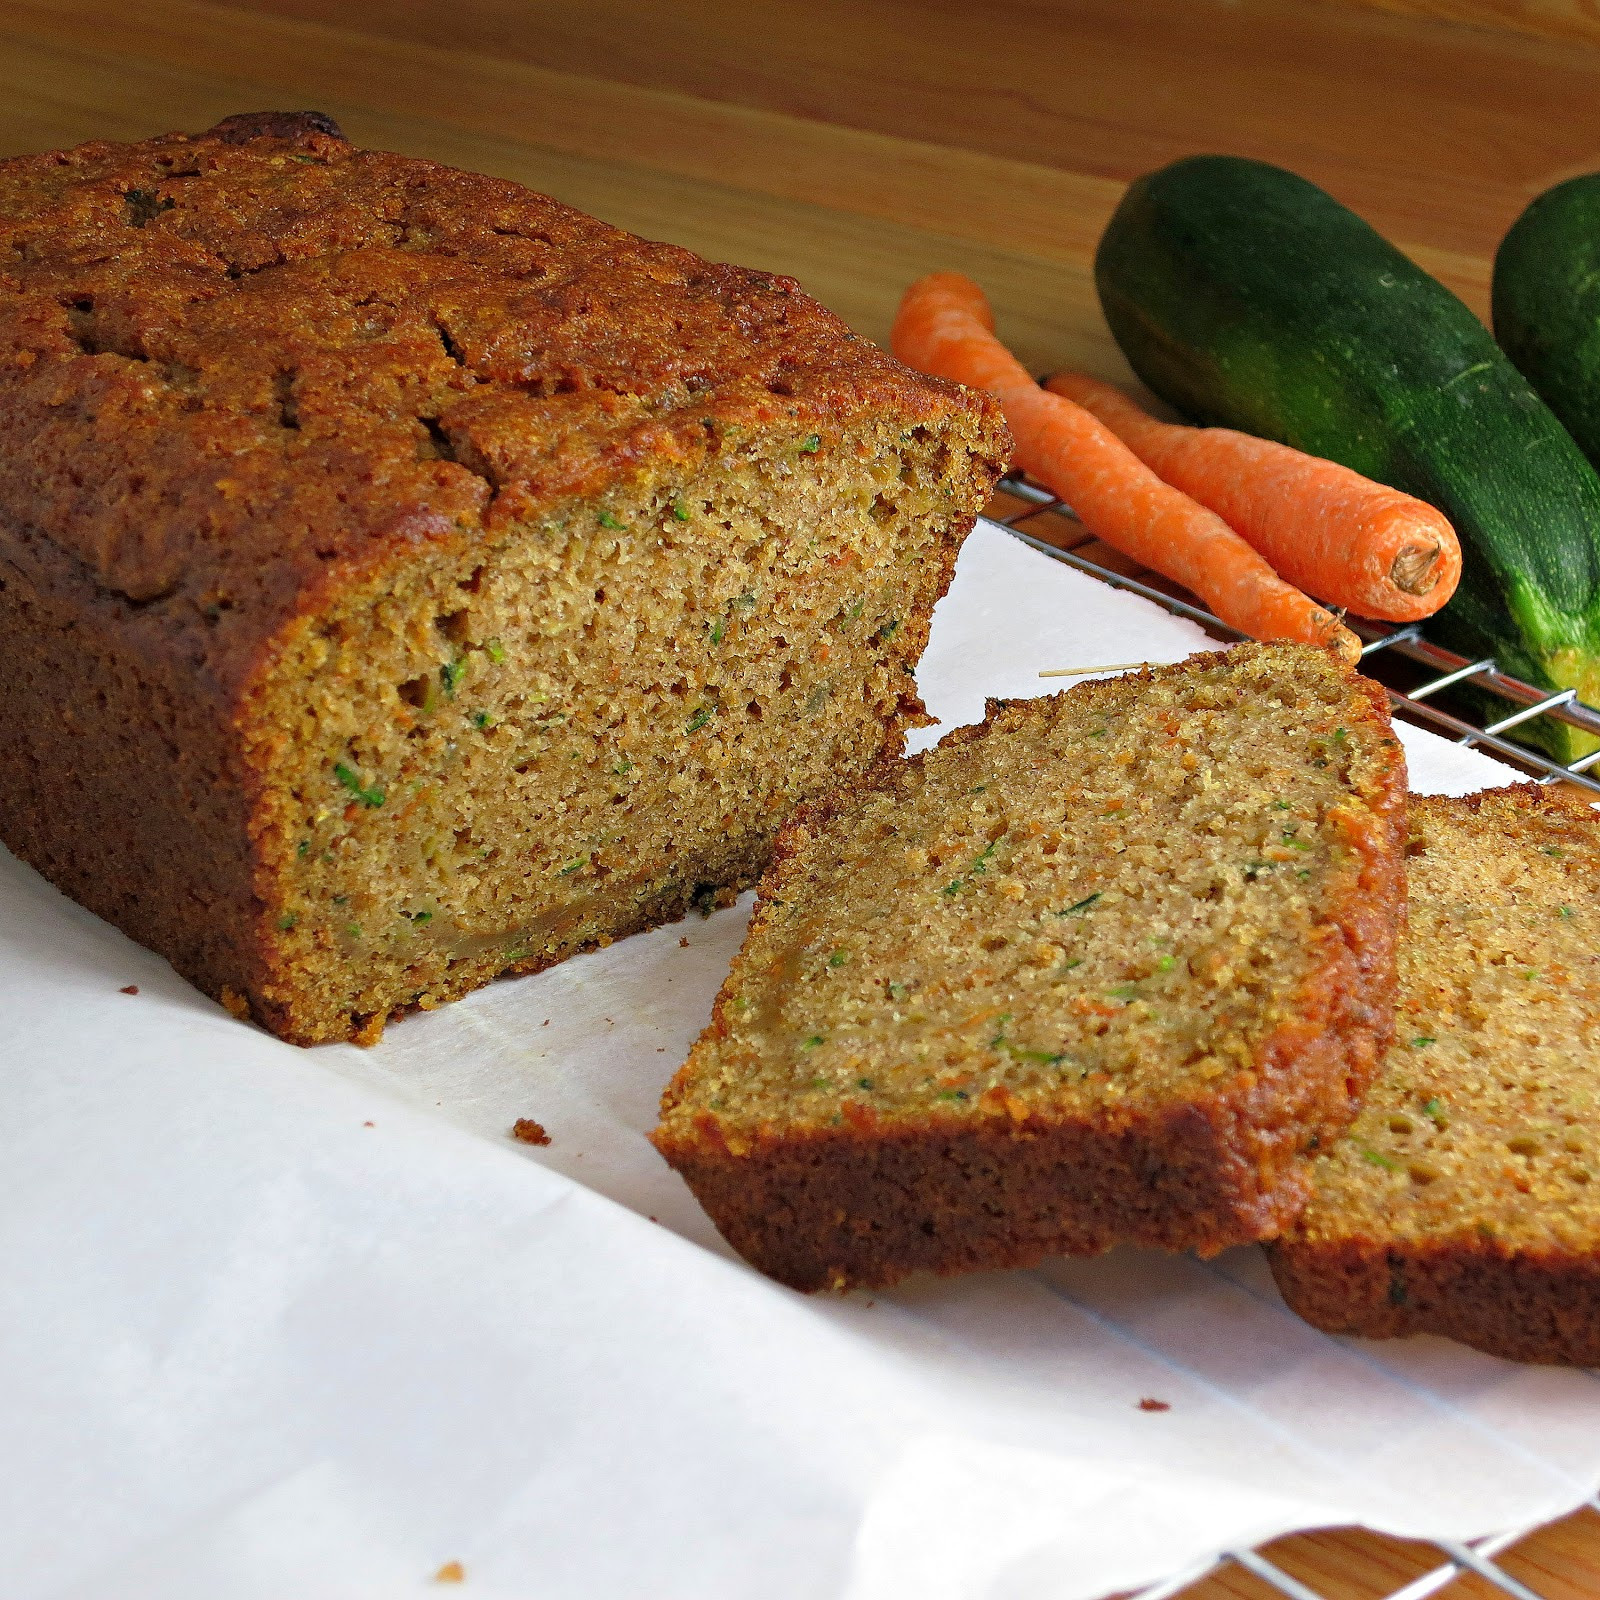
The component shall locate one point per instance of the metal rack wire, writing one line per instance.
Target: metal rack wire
(1448, 670)
(1476, 1557)
(1415, 703)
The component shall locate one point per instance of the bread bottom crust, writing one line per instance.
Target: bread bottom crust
(1515, 1304)
(865, 1207)
(851, 1213)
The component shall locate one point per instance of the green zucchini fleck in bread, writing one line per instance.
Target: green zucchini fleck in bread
(1097, 970)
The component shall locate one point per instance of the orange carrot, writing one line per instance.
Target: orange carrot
(1328, 530)
(945, 327)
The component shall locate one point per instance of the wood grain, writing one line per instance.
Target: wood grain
(858, 143)
(1549, 19)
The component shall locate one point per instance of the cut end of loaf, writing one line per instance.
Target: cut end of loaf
(533, 748)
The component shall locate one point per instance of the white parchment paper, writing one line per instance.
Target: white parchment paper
(278, 1322)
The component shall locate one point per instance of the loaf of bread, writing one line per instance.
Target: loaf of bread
(1465, 1200)
(406, 578)
(1100, 969)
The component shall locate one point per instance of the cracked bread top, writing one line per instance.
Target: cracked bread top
(243, 368)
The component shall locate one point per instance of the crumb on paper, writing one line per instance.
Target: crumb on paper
(129, 988)
(235, 1004)
(369, 1124)
(545, 1023)
(370, 1031)
(683, 944)
(527, 1131)
(1149, 1404)
(451, 1572)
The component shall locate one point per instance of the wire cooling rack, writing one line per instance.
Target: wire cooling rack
(1475, 1558)
(1404, 650)
(1441, 670)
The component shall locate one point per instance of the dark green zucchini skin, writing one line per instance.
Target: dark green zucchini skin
(1546, 298)
(1247, 297)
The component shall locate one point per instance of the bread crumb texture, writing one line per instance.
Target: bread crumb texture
(1465, 1199)
(1099, 969)
(409, 579)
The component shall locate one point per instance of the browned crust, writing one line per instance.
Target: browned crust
(1516, 1304)
(244, 126)
(1532, 798)
(220, 403)
(864, 1209)
(1524, 1305)
(865, 1204)
(124, 791)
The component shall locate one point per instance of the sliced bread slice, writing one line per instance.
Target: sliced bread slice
(1466, 1199)
(1098, 969)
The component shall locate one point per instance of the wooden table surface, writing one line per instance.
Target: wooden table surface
(859, 143)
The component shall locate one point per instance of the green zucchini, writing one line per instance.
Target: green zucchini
(1547, 304)
(1247, 297)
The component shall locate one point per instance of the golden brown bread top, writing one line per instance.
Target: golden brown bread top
(239, 370)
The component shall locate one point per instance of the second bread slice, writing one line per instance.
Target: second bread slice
(1097, 970)
(1464, 1201)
